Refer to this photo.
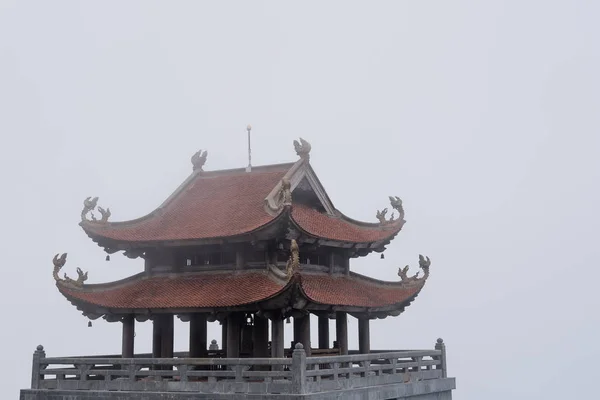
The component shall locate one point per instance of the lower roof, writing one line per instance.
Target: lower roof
(231, 289)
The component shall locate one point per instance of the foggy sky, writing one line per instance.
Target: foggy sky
(481, 115)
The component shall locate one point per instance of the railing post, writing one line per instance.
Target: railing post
(441, 346)
(299, 369)
(36, 368)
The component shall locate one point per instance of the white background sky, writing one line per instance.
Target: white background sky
(482, 115)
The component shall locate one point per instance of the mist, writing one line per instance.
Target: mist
(481, 115)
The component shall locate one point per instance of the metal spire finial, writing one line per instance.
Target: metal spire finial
(249, 167)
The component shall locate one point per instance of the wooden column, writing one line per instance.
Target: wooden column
(128, 336)
(240, 258)
(224, 336)
(331, 262)
(302, 332)
(364, 336)
(277, 343)
(323, 332)
(260, 337)
(233, 335)
(167, 336)
(198, 339)
(156, 337)
(296, 330)
(341, 331)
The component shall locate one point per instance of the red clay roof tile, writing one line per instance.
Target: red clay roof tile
(337, 228)
(185, 291)
(203, 290)
(212, 205)
(229, 203)
(355, 290)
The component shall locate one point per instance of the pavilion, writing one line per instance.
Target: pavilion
(250, 248)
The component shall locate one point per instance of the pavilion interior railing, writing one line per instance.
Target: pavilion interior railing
(298, 374)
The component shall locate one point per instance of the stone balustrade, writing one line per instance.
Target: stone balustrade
(296, 375)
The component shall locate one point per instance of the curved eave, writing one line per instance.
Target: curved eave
(373, 237)
(211, 292)
(206, 206)
(143, 295)
(360, 294)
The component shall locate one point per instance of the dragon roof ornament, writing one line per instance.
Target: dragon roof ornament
(59, 262)
(302, 149)
(381, 216)
(294, 261)
(285, 193)
(424, 263)
(89, 205)
(396, 204)
(199, 159)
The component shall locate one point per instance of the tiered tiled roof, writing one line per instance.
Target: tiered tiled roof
(243, 205)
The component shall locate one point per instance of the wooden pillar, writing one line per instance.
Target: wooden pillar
(148, 263)
(302, 332)
(341, 331)
(323, 332)
(260, 337)
(364, 337)
(128, 336)
(296, 328)
(167, 336)
(198, 337)
(156, 337)
(277, 343)
(233, 335)
(224, 337)
(331, 262)
(240, 258)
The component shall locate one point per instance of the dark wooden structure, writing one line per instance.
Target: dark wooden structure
(250, 248)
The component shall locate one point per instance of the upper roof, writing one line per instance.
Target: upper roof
(209, 205)
(237, 202)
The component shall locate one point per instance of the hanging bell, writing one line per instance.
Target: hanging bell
(382, 256)
(89, 324)
(108, 257)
